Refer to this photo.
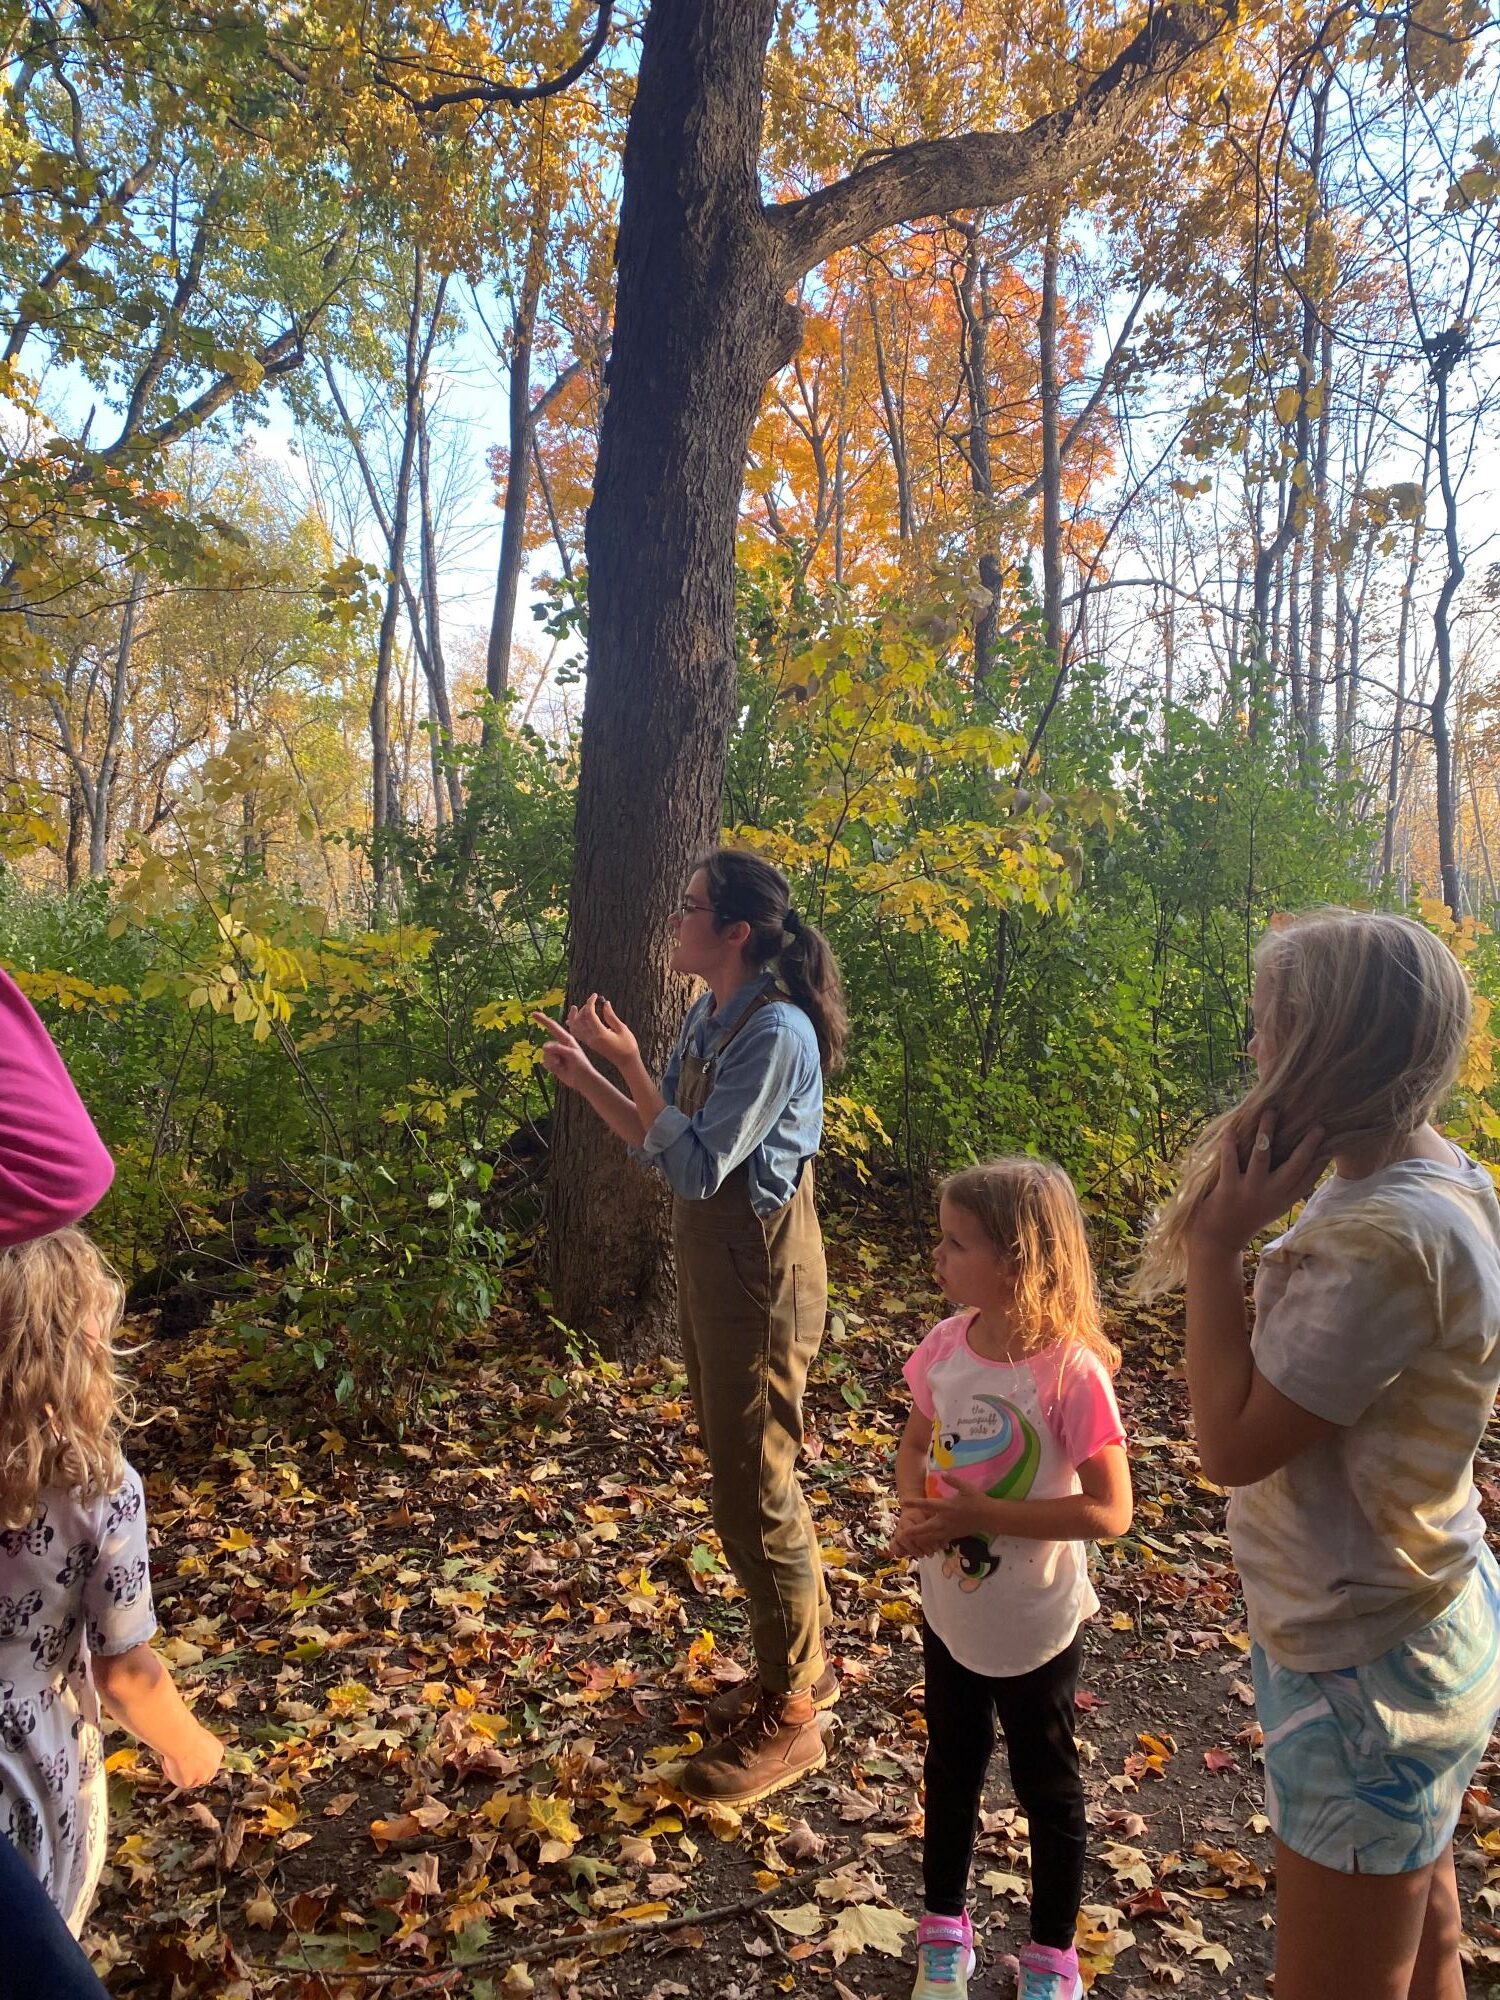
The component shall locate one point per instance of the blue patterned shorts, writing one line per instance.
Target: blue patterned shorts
(1366, 1767)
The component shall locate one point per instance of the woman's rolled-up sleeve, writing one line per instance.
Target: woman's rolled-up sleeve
(753, 1084)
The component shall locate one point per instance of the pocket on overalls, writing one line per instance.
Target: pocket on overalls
(750, 1267)
(809, 1304)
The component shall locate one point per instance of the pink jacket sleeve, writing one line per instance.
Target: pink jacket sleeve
(53, 1165)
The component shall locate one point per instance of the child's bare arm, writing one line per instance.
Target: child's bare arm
(138, 1690)
(911, 1487)
(911, 1458)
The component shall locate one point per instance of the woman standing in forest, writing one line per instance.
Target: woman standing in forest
(734, 1127)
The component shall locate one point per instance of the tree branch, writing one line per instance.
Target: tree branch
(166, 344)
(484, 91)
(280, 356)
(994, 169)
(72, 257)
(1107, 378)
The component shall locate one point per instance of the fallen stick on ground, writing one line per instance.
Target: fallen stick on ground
(559, 1946)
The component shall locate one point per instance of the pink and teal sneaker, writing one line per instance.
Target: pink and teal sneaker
(1047, 1974)
(945, 1958)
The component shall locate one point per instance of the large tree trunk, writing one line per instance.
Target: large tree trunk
(701, 323)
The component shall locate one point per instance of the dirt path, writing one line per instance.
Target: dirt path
(458, 1673)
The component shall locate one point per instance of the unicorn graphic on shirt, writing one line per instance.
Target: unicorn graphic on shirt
(993, 1447)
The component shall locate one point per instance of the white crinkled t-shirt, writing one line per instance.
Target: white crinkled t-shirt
(1379, 1309)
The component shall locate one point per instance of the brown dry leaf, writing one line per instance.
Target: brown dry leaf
(261, 1912)
(999, 1883)
(800, 1843)
(1240, 1872)
(421, 1873)
(849, 1885)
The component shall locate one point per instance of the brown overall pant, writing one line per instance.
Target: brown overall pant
(752, 1295)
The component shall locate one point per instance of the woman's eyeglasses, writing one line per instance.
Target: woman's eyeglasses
(688, 908)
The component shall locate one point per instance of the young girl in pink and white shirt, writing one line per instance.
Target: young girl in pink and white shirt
(1012, 1461)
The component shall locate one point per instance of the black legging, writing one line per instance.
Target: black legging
(1036, 1715)
(40, 1959)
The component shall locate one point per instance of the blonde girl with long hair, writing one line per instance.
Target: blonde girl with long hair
(1012, 1461)
(1346, 1425)
(76, 1617)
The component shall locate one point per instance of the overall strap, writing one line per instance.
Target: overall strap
(696, 1079)
(763, 1000)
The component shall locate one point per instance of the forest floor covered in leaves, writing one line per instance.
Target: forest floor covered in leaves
(459, 1674)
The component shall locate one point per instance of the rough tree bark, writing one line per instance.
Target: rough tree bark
(701, 323)
(702, 320)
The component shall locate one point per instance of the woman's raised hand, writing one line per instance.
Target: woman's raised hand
(599, 1028)
(562, 1056)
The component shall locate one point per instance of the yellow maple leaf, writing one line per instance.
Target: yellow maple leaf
(552, 1817)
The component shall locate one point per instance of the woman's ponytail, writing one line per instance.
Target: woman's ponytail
(745, 889)
(811, 975)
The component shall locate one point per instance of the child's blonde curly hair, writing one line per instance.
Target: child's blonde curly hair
(61, 1399)
(1029, 1212)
